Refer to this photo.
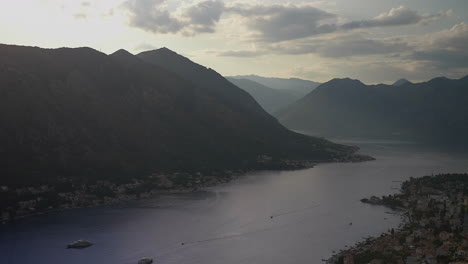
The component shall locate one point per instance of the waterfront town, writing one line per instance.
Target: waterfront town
(434, 211)
(66, 193)
(434, 229)
(25, 201)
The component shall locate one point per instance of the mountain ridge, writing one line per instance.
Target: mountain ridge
(83, 114)
(295, 86)
(434, 111)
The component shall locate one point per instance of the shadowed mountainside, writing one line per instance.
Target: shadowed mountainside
(435, 111)
(81, 113)
(270, 99)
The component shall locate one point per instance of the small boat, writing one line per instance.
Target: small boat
(145, 261)
(80, 244)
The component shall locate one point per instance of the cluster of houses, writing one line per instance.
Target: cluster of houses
(30, 200)
(435, 229)
(33, 200)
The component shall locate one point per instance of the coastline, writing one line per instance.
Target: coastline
(434, 228)
(68, 194)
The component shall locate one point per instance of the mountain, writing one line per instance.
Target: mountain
(297, 87)
(435, 111)
(401, 82)
(270, 99)
(83, 114)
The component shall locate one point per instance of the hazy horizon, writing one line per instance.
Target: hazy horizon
(380, 42)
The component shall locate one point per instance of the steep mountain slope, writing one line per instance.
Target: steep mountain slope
(81, 113)
(297, 87)
(434, 111)
(250, 119)
(270, 99)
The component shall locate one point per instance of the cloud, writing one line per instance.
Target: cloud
(370, 72)
(277, 23)
(342, 46)
(153, 16)
(443, 58)
(446, 48)
(395, 17)
(336, 46)
(240, 53)
(267, 22)
(204, 16)
(359, 46)
(454, 38)
(284, 22)
(270, 22)
(150, 15)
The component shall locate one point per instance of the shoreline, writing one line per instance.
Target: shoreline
(107, 200)
(434, 226)
(74, 195)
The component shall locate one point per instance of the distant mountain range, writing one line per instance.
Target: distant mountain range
(435, 111)
(297, 87)
(270, 99)
(81, 113)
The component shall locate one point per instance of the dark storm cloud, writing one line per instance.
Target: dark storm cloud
(152, 15)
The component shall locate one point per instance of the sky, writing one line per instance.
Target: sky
(376, 41)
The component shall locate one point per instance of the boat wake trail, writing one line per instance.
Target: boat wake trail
(257, 231)
(295, 211)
